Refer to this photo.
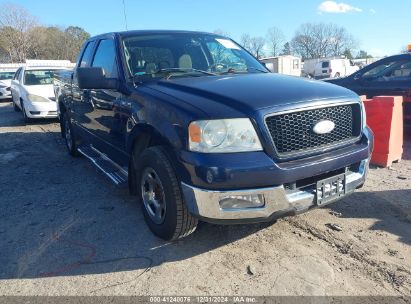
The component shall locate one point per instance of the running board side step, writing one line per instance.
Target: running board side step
(116, 173)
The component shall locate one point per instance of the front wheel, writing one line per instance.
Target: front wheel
(162, 202)
(23, 110)
(15, 106)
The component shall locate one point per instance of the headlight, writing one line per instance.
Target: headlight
(223, 136)
(36, 98)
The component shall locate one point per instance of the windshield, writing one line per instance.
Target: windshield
(38, 77)
(6, 75)
(186, 55)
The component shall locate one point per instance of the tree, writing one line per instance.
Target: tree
(254, 45)
(275, 38)
(286, 49)
(257, 46)
(15, 28)
(22, 38)
(74, 38)
(316, 40)
(245, 41)
(363, 55)
(48, 43)
(347, 54)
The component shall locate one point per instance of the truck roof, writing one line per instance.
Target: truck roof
(30, 68)
(151, 32)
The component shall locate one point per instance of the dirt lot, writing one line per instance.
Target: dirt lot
(65, 229)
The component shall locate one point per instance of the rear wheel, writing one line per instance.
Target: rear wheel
(162, 202)
(69, 135)
(337, 75)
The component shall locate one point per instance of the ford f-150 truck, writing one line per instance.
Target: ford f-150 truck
(200, 130)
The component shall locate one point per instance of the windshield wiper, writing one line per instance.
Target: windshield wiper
(257, 69)
(234, 71)
(181, 70)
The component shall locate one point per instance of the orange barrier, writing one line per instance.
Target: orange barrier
(385, 118)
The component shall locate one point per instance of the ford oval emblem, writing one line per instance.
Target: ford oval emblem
(324, 127)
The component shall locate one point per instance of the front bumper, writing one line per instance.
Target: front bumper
(41, 109)
(5, 93)
(279, 202)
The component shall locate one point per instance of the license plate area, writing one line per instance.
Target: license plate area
(330, 189)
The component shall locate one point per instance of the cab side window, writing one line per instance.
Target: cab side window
(105, 58)
(86, 58)
(17, 75)
(401, 73)
(377, 70)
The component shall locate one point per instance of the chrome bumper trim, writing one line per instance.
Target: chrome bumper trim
(205, 203)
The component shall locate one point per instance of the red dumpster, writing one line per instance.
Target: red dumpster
(385, 118)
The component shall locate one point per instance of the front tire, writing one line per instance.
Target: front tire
(162, 202)
(23, 110)
(15, 106)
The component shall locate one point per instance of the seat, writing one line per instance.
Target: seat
(151, 68)
(185, 62)
(30, 79)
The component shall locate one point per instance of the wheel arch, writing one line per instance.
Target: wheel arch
(141, 137)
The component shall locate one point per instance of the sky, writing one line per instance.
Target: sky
(382, 27)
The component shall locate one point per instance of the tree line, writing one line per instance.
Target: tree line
(311, 40)
(22, 37)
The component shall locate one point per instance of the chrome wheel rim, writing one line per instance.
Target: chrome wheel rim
(67, 134)
(153, 195)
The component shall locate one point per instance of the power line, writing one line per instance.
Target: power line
(125, 15)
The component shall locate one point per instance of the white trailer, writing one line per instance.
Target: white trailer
(287, 64)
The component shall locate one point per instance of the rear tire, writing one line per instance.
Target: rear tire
(337, 75)
(69, 135)
(162, 203)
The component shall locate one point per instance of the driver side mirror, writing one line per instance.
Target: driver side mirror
(95, 78)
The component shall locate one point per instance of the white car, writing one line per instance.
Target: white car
(5, 82)
(32, 92)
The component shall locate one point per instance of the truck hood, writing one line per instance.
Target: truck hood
(249, 92)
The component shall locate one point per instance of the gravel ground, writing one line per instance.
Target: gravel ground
(65, 229)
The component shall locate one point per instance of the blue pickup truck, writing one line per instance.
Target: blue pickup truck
(199, 130)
